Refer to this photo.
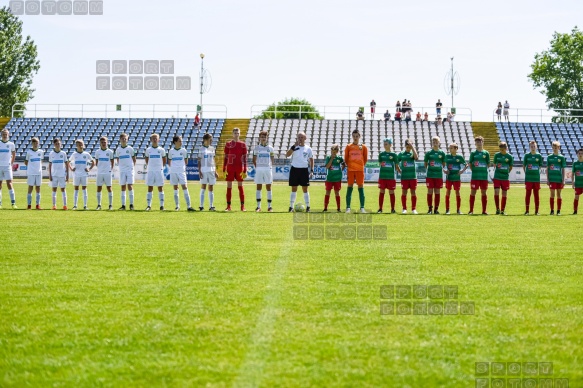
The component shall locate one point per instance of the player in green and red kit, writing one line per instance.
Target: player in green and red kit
(334, 166)
(577, 177)
(455, 165)
(531, 164)
(503, 163)
(434, 164)
(235, 167)
(556, 165)
(407, 160)
(389, 163)
(479, 162)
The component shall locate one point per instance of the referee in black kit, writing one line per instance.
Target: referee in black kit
(302, 168)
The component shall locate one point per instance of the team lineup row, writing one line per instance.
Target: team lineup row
(436, 161)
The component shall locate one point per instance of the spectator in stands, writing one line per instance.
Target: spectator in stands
(426, 117)
(438, 106)
(438, 120)
(196, 120)
(398, 106)
(373, 107)
(506, 107)
(449, 117)
(499, 111)
(408, 105)
(360, 115)
(418, 117)
(398, 116)
(387, 116)
(407, 116)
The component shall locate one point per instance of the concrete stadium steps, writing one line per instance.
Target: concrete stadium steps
(226, 135)
(3, 122)
(490, 134)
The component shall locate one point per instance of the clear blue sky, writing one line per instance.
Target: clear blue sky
(331, 53)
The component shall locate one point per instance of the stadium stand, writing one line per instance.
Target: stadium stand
(323, 133)
(518, 135)
(90, 129)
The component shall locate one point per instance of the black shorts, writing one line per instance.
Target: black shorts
(299, 177)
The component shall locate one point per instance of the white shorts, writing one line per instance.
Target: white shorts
(58, 181)
(5, 173)
(104, 179)
(34, 180)
(263, 177)
(80, 181)
(155, 178)
(208, 178)
(126, 178)
(177, 178)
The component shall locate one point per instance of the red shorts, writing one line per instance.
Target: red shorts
(336, 186)
(456, 185)
(500, 184)
(409, 184)
(434, 183)
(353, 176)
(532, 185)
(231, 176)
(578, 190)
(389, 184)
(479, 184)
(556, 186)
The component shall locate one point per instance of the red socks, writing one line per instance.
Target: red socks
(497, 201)
(413, 202)
(575, 205)
(437, 200)
(326, 201)
(503, 207)
(229, 193)
(392, 201)
(472, 201)
(536, 200)
(484, 203)
(381, 200)
(429, 200)
(552, 202)
(527, 199)
(241, 194)
(447, 202)
(337, 202)
(458, 200)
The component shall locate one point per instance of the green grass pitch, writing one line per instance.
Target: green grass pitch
(136, 299)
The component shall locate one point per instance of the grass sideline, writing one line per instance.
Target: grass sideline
(231, 299)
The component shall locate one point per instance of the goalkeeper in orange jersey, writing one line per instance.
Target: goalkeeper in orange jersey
(355, 157)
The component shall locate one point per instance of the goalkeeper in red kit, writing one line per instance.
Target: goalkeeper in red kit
(235, 167)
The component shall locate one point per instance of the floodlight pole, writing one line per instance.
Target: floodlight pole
(452, 76)
(201, 81)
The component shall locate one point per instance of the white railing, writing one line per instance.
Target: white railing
(118, 110)
(348, 112)
(537, 115)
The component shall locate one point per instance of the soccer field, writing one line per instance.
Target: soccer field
(219, 299)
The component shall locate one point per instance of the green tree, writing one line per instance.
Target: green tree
(291, 108)
(558, 71)
(18, 63)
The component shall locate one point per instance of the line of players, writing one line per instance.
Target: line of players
(453, 166)
(302, 167)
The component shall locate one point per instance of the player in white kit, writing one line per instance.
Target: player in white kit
(104, 161)
(263, 159)
(155, 162)
(80, 162)
(7, 156)
(126, 160)
(58, 172)
(207, 170)
(177, 160)
(34, 172)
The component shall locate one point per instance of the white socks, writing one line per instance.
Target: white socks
(292, 198)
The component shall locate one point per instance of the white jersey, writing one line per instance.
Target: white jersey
(301, 156)
(263, 154)
(35, 162)
(178, 158)
(104, 158)
(207, 158)
(155, 156)
(58, 166)
(125, 159)
(80, 161)
(6, 150)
